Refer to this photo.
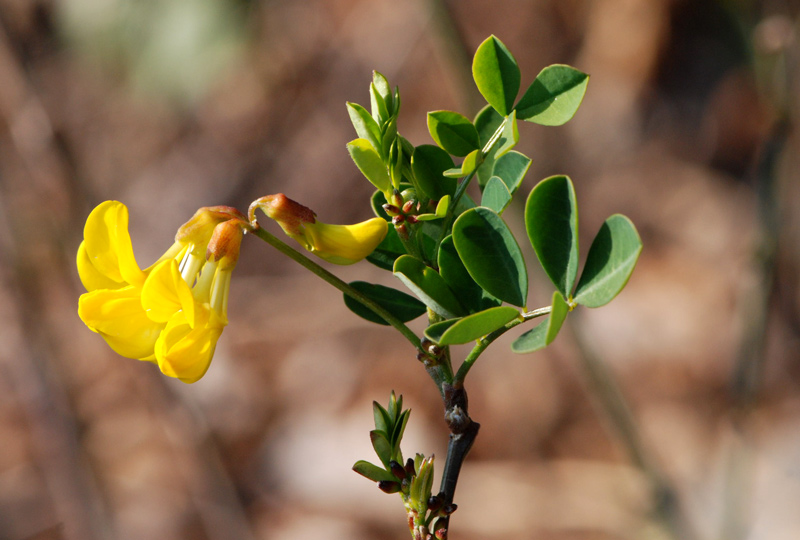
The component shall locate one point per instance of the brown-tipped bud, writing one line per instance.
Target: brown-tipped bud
(449, 509)
(397, 220)
(408, 206)
(434, 350)
(412, 219)
(435, 503)
(441, 534)
(391, 209)
(410, 468)
(397, 199)
(397, 470)
(387, 486)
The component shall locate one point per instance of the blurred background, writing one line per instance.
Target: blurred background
(671, 413)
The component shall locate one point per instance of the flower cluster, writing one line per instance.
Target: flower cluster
(173, 312)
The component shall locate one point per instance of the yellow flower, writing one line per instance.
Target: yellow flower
(173, 312)
(339, 244)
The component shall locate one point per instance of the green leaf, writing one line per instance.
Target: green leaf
(378, 105)
(385, 92)
(468, 166)
(491, 255)
(554, 96)
(380, 443)
(560, 308)
(511, 168)
(495, 195)
(486, 122)
(496, 74)
(403, 306)
(366, 126)
(370, 164)
(532, 340)
(428, 285)
(389, 135)
(610, 262)
(397, 435)
(471, 327)
(453, 132)
(373, 472)
(381, 415)
(428, 163)
(387, 251)
(442, 206)
(545, 332)
(509, 138)
(455, 274)
(551, 219)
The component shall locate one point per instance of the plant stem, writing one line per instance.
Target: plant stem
(462, 187)
(487, 340)
(338, 283)
(463, 432)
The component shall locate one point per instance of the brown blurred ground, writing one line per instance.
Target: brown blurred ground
(169, 106)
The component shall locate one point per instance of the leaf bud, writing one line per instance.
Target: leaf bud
(449, 509)
(397, 220)
(441, 534)
(435, 503)
(410, 470)
(408, 206)
(412, 219)
(387, 486)
(391, 209)
(397, 470)
(397, 199)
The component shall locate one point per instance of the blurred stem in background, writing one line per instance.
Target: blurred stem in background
(774, 59)
(608, 396)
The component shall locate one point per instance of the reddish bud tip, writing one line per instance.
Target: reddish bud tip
(391, 209)
(408, 206)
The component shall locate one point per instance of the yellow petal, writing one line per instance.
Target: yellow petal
(117, 315)
(346, 244)
(185, 352)
(90, 276)
(108, 243)
(165, 293)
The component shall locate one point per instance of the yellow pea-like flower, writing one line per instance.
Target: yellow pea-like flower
(345, 244)
(339, 244)
(173, 312)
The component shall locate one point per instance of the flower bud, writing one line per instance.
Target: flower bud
(339, 244)
(290, 215)
(408, 206)
(391, 209)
